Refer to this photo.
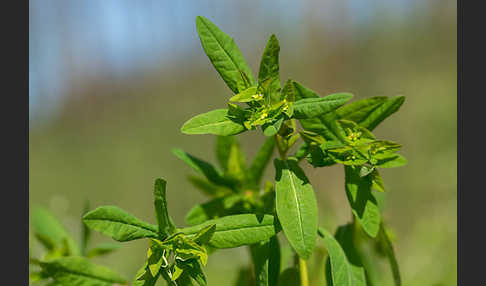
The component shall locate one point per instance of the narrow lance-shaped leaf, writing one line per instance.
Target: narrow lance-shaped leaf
(47, 226)
(143, 277)
(201, 166)
(237, 230)
(302, 92)
(313, 107)
(345, 237)
(164, 222)
(257, 167)
(362, 201)
(214, 122)
(224, 55)
(296, 206)
(76, 270)
(269, 70)
(118, 224)
(392, 162)
(86, 232)
(266, 261)
(360, 109)
(205, 235)
(236, 166)
(381, 112)
(341, 269)
(269, 66)
(325, 125)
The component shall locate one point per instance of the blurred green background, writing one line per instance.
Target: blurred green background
(112, 82)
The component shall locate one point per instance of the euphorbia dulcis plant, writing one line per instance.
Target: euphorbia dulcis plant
(243, 211)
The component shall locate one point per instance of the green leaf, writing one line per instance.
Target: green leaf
(359, 110)
(271, 128)
(387, 245)
(318, 158)
(164, 222)
(362, 201)
(214, 122)
(268, 75)
(296, 206)
(203, 167)
(382, 112)
(370, 112)
(266, 261)
(47, 226)
(269, 63)
(118, 224)
(80, 271)
(183, 247)
(260, 162)
(237, 230)
(46, 241)
(313, 107)
(215, 208)
(303, 151)
(222, 150)
(303, 92)
(236, 167)
(86, 232)
(102, 249)
(394, 161)
(288, 91)
(247, 95)
(345, 236)
(193, 270)
(377, 181)
(143, 277)
(205, 234)
(341, 269)
(224, 55)
(327, 126)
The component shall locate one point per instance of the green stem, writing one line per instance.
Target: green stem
(281, 149)
(304, 280)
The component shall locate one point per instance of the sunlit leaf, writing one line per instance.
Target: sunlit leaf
(313, 107)
(214, 122)
(118, 224)
(224, 55)
(164, 222)
(47, 226)
(80, 271)
(362, 201)
(237, 230)
(296, 206)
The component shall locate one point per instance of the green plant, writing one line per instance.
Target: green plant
(65, 262)
(303, 127)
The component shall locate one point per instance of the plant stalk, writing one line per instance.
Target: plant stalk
(304, 279)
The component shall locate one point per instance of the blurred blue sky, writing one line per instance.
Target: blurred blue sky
(74, 40)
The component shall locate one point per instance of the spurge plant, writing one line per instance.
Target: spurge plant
(241, 211)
